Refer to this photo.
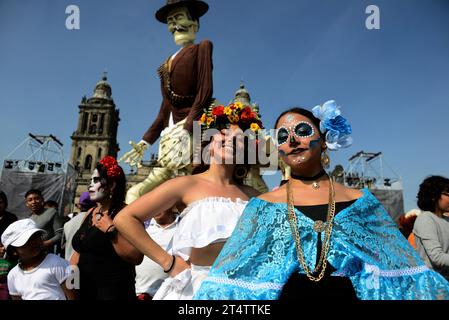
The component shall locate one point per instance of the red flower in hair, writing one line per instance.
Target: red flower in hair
(247, 114)
(218, 111)
(112, 167)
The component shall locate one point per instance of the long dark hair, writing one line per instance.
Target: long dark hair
(430, 192)
(119, 192)
(4, 199)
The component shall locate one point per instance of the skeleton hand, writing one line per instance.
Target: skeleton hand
(134, 157)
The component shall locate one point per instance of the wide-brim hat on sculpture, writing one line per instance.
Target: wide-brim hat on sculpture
(196, 7)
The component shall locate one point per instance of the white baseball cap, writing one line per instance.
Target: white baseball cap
(19, 232)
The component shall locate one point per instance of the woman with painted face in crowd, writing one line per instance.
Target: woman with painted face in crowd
(105, 259)
(213, 202)
(314, 238)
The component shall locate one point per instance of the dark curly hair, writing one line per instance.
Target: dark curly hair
(430, 192)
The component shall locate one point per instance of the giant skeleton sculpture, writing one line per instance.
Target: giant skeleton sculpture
(187, 88)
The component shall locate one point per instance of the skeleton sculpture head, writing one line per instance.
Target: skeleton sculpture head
(183, 26)
(182, 18)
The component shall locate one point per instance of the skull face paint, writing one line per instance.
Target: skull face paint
(182, 27)
(282, 153)
(290, 118)
(314, 143)
(298, 141)
(302, 129)
(96, 191)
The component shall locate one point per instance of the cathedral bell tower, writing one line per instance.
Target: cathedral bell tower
(96, 134)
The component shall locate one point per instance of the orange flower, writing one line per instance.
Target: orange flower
(203, 118)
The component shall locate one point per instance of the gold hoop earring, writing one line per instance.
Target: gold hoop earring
(240, 172)
(325, 160)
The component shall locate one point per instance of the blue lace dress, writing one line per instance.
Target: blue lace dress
(366, 247)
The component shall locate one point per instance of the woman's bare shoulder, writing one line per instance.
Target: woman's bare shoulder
(275, 196)
(348, 193)
(179, 184)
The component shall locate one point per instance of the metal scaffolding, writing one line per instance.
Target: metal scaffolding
(369, 170)
(38, 162)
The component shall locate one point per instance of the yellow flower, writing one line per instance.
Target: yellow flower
(238, 105)
(209, 121)
(228, 111)
(254, 127)
(203, 118)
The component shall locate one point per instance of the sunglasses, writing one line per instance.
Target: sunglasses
(302, 129)
(96, 180)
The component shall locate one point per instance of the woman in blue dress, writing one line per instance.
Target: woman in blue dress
(313, 237)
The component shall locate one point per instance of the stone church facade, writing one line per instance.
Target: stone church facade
(96, 133)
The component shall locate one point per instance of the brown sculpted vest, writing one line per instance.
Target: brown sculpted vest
(186, 87)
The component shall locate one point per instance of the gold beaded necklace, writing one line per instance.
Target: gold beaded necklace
(319, 226)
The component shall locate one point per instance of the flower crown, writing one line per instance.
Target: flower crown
(220, 117)
(112, 168)
(336, 128)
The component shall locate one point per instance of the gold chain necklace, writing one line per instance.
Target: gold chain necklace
(319, 225)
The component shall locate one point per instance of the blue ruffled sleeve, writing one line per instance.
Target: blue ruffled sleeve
(387, 266)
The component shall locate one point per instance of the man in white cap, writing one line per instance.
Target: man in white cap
(38, 275)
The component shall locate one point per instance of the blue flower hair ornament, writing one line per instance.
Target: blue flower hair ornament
(337, 129)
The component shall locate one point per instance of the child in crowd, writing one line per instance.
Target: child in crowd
(38, 275)
(5, 267)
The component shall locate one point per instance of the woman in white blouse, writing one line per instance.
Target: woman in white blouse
(213, 201)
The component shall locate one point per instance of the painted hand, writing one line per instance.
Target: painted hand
(102, 221)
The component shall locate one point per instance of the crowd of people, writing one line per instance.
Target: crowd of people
(206, 234)
(209, 236)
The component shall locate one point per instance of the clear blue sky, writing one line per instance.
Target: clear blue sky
(392, 83)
